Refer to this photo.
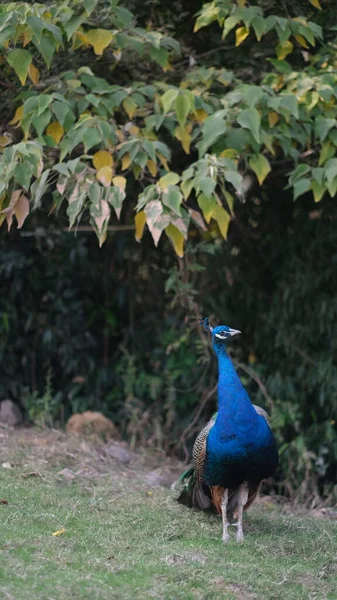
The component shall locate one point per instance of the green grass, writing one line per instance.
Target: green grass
(125, 540)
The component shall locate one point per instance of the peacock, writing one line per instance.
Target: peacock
(236, 450)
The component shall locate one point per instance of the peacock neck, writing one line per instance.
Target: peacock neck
(233, 402)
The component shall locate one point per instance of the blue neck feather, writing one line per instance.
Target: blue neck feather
(235, 409)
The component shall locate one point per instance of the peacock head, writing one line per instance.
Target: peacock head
(220, 334)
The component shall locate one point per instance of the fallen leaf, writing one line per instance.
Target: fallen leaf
(59, 532)
(3, 501)
(7, 465)
(67, 474)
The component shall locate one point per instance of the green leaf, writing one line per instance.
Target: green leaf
(91, 137)
(43, 102)
(328, 151)
(72, 25)
(76, 204)
(170, 178)
(182, 107)
(94, 192)
(317, 174)
(207, 186)
(259, 25)
(207, 206)
(172, 198)
(45, 45)
(40, 122)
(252, 94)
(261, 167)
(301, 187)
(249, 118)
(168, 98)
(298, 173)
(23, 174)
(61, 110)
(323, 126)
(213, 127)
(330, 170)
(89, 6)
(234, 178)
(289, 103)
(20, 60)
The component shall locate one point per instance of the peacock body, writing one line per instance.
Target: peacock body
(236, 450)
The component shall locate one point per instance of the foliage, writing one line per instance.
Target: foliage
(82, 131)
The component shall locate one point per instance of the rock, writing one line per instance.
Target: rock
(10, 413)
(92, 422)
(118, 452)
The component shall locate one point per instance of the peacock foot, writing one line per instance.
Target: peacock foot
(225, 537)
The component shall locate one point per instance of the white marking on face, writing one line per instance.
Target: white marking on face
(221, 336)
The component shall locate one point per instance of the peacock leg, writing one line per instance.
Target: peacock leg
(242, 500)
(224, 502)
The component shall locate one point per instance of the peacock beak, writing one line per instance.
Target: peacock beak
(233, 332)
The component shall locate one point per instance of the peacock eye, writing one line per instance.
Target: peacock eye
(222, 335)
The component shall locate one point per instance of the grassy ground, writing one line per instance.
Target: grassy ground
(125, 539)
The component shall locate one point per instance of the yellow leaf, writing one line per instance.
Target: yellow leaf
(129, 106)
(21, 210)
(170, 178)
(176, 238)
(104, 176)
(101, 238)
(241, 3)
(282, 50)
(80, 39)
(200, 115)
(184, 137)
(273, 118)
(229, 153)
(318, 190)
(120, 135)
(4, 141)
(151, 165)
(17, 117)
(126, 161)
(240, 35)
(59, 532)
(163, 161)
(316, 4)
(261, 167)
(223, 219)
(140, 220)
(34, 74)
(134, 130)
(119, 182)
(27, 37)
(102, 158)
(56, 131)
(301, 40)
(99, 39)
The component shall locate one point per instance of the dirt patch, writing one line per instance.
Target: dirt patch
(33, 450)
